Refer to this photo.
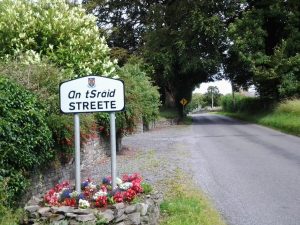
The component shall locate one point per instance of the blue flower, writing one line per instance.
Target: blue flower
(84, 184)
(81, 196)
(105, 180)
(65, 194)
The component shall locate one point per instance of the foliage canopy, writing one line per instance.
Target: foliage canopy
(66, 35)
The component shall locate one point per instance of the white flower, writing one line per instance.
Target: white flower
(74, 194)
(98, 194)
(83, 204)
(119, 181)
(126, 185)
(92, 186)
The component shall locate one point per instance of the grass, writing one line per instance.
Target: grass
(169, 113)
(10, 216)
(285, 117)
(184, 204)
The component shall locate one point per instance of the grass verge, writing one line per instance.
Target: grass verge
(285, 117)
(185, 204)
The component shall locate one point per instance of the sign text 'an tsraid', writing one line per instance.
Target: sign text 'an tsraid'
(92, 94)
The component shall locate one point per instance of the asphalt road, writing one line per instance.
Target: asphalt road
(252, 173)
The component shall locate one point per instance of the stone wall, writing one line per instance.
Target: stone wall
(43, 179)
(161, 123)
(146, 212)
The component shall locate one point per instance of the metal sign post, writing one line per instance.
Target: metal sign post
(113, 149)
(92, 94)
(77, 152)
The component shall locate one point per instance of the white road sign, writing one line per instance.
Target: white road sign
(92, 94)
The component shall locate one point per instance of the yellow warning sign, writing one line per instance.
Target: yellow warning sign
(183, 101)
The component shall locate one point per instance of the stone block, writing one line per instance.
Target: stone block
(135, 218)
(119, 205)
(56, 217)
(82, 211)
(108, 215)
(31, 208)
(142, 208)
(85, 217)
(119, 212)
(34, 215)
(71, 215)
(130, 209)
(62, 209)
(44, 211)
(121, 218)
(35, 201)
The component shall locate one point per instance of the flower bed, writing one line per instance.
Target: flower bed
(95, 195)
(96, 204)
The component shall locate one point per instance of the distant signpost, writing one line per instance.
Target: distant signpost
(92, 94)
(183, 102)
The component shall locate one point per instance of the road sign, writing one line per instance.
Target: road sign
(92, 94)
(183, 101)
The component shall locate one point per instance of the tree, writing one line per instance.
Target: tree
(31, 30)
(123, 20)
(213, 91)
(196, 102)
(183, 43)
(264, 48)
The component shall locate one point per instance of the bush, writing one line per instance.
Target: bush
(67, 36)
(8, 216)
(196, 102)
(242, 104)
(141, 97)
(25, 139)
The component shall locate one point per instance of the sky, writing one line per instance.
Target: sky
(224, 87)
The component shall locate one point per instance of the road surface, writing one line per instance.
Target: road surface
(251, 173)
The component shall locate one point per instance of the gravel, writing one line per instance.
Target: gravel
(155, 155)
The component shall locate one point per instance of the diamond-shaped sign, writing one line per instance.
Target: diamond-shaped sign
(183, 101)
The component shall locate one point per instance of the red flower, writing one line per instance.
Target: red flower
(136, 186)
(70, 202)
(125, 178)
(118, 197)
(59, 187)
(88, 192)
(135, 177)
(101, 201)
(129, 195)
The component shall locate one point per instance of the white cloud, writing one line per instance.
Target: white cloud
(223, 85)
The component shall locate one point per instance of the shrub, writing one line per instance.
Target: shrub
(8, 216)
(196, 101)
(31, 30)
(242, 104)
(141, 97)
(25, 139)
